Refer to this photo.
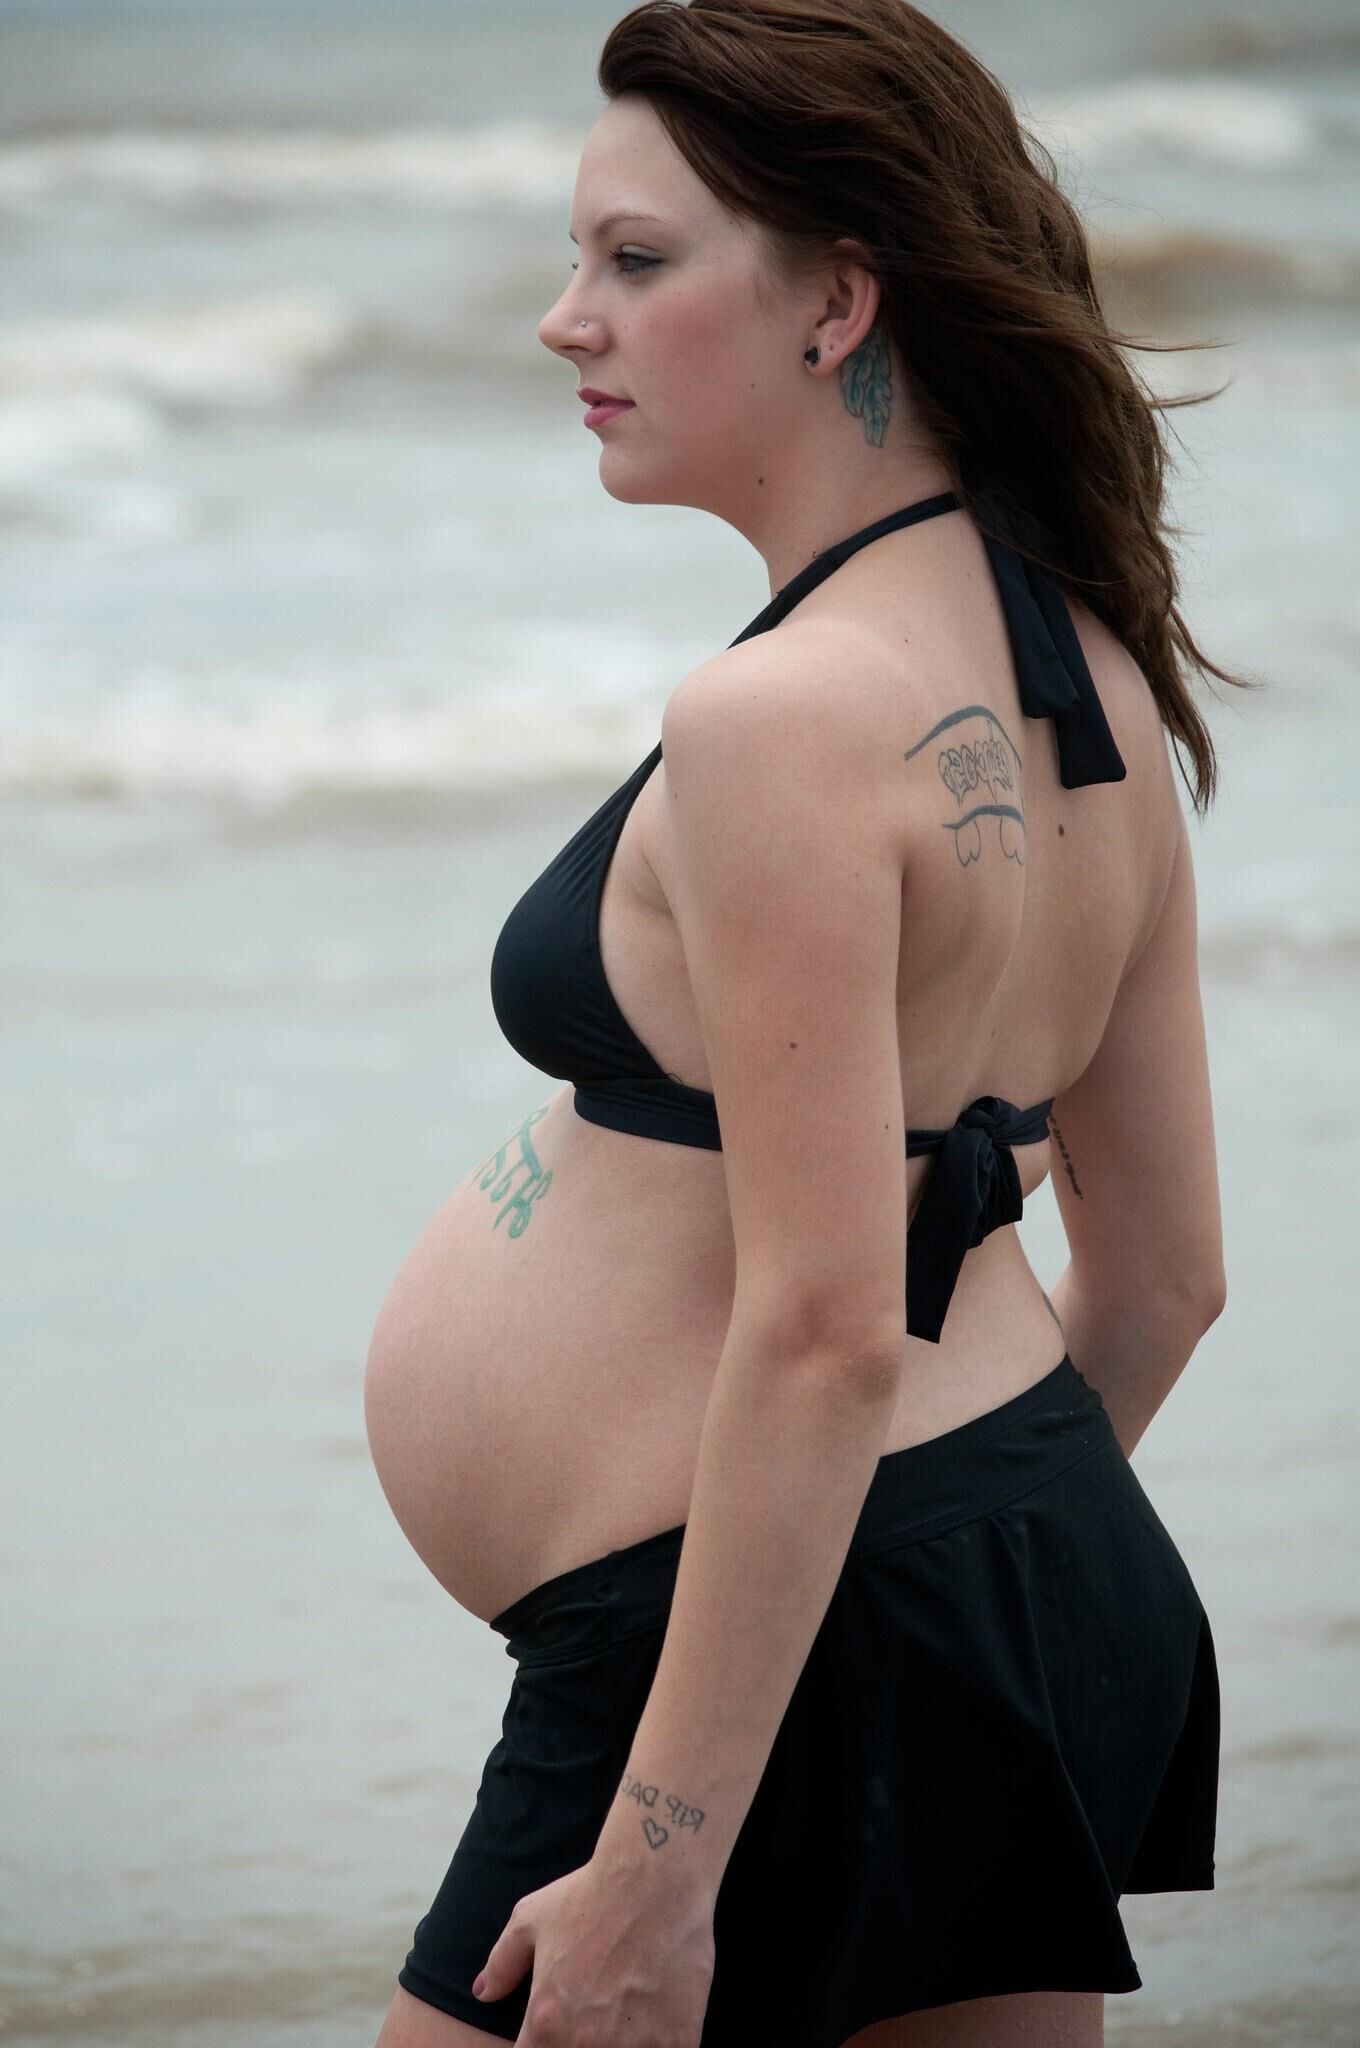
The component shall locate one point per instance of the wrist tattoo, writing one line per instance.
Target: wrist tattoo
(676, 1811)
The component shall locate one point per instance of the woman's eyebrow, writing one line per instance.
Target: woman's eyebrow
(610, 220)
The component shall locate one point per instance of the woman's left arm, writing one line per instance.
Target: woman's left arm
(782, 864)
(788, 1450)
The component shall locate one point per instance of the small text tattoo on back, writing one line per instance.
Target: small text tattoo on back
(1068, 1167)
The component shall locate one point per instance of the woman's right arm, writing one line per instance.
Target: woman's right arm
(1136, 1177)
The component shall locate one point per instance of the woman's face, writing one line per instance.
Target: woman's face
(673, 321)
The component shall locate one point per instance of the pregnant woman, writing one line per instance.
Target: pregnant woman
(855, 1676)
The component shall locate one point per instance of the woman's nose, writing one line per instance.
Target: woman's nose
(561, 324)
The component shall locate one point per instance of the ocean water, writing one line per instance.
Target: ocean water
(300, 683)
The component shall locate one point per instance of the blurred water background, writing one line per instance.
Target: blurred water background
(318, 635)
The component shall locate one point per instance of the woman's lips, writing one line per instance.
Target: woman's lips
(610, 410)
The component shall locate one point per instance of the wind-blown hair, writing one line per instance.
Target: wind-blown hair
(823, 121)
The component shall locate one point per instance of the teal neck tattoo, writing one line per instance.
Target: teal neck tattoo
(866, 385)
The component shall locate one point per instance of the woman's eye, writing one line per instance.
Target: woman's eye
(636, 263)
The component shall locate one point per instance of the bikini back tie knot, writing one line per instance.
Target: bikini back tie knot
(972, 1189)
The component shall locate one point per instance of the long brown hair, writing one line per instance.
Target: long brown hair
(824, 121)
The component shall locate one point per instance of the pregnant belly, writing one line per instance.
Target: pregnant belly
(539, 1369)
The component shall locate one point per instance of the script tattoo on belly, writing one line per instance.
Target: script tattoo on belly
(677, 1812)
(497, 1176)
(988, 761)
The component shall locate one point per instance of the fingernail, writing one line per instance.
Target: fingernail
(477, 1986)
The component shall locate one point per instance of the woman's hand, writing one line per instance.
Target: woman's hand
(625, 1961)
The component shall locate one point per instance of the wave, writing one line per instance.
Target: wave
(105, 387)
(243, 348)
(502, 162)
(1208, 120)
(292, 744)
(1185, 272)
(43, 433)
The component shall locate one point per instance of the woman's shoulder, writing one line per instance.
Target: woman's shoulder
(825, 683)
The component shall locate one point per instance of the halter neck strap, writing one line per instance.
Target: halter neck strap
(1052, 676)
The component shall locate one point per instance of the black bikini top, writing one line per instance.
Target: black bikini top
(554, 1005)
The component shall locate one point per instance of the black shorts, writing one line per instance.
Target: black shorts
(1008, 1717)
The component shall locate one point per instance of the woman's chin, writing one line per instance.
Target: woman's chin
(629, 487)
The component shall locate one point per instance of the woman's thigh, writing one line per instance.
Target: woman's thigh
(411, 2023)
(1026, 2019)
(1023, 2019)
